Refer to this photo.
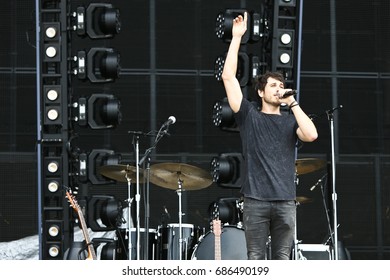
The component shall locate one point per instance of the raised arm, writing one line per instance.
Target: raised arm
(230, 82)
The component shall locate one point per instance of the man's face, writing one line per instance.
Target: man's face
(273, 89)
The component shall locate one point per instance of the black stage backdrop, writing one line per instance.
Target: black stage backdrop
(168, 48)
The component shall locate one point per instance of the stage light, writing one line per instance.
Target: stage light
(99, 20)
(226, 170)
(99, 111)
(91, 162)
(52, 53)
(100, 65)
(54, 230)
(53, 186)
(104, 213)
(52, 165)
(224, 25)
(284, 58)
(228, 210)
(52, 104)
(223, 116)
(51, 42)
(243, 68)
(218, 67)
(52, 114)
(52, 94)
(285, 38)
(285, 46)
(54, 251)
(51, 31)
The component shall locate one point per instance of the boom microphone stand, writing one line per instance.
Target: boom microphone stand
(159, 136)
(137, 196)
(329, 113)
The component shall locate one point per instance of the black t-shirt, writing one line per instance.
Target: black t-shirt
(268, 142)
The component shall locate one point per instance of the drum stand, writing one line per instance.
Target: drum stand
(130, 245)
(179, 191)
(137, 200)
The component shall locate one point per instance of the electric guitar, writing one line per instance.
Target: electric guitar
(77, 209)
(216, 227)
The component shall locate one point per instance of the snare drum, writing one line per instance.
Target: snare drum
(168, 241)
(233, 245)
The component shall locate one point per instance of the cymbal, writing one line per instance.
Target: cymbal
(303, 199)
(167, 175)
(120, 172)
(308, 165)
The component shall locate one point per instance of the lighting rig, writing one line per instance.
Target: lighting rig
(64, 110)
(95, 25)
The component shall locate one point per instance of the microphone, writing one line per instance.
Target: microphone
(171, 120)
(316, 184)
(289, 93)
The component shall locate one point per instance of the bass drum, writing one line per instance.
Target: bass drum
(233, 245)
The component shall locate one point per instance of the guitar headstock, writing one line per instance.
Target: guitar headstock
(72, 200)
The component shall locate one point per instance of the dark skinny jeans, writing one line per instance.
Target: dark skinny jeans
(266, 221)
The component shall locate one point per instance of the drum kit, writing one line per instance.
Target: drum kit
(183, 241)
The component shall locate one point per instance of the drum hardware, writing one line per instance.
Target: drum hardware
(173, 176)
(168, 242)
(166, 175)
(304, 166)
(124, 173)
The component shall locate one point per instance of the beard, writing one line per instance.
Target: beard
(271, 101)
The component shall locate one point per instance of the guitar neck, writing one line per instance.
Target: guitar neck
(91, 249)
(217, 250)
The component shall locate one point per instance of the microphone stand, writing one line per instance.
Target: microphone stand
(137, 197)
(329, 113)
(146, 156)
(326, 208)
